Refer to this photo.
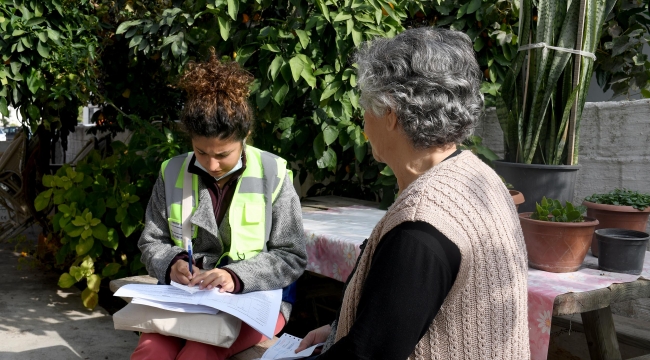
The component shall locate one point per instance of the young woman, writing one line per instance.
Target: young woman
(247, 232)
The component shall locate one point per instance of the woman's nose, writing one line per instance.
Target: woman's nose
(214, 165)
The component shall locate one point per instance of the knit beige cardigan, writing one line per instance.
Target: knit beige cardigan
(484, 316)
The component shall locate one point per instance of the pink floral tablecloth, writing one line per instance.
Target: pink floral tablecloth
(334, 237)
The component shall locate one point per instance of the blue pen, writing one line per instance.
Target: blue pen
(189, 250)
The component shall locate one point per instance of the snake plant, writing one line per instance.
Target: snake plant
(537, 94)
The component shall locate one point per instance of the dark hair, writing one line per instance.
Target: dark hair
(217, 99)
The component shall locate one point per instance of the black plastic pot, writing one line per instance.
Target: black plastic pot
(621, 250)
(536, 181)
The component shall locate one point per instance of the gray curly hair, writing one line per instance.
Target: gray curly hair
(429, 77)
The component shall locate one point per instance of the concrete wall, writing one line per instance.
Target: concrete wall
(614, 146)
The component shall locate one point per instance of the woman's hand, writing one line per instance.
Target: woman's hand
(214, 278)
(314, 337)
(180, 272)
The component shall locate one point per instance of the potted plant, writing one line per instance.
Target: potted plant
(557, 237)
(623, 209)
(543, 95)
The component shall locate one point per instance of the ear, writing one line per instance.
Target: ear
(391, 120)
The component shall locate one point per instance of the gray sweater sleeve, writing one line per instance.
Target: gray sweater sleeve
(155, 243)
(286, 256)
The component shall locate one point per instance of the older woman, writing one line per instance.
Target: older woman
(443, 275)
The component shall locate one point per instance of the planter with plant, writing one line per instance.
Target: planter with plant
(557, 237)
(622, 209)
(544, 93)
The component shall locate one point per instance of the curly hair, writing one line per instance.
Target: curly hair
(429, 77)
(217, 99)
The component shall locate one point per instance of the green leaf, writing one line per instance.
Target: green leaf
(280, 90)
(84, 245)
(4, 109)
(342, 17)
(357, 37)
(128, 228)
(233, 9)
(111, 269)
(135, 41)
(330, 90)
(303, 37)
(473, 6)
(309, 77)
(53, 34)
(360, 151)
(387, 171)
(66, 280)
(79, 221)
(324, 9)
(93, 282)
(328, 160)
(33, 112)
(89, 298)
(34, 21)
(275, 66)
(319, 145)
(330, 134)
(296, 68)
(270, 47)
(224, 27)
(42, 200)
(43, 49)
(86, 233)
(100, 232)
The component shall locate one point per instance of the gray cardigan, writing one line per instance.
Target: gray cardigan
(281, 263)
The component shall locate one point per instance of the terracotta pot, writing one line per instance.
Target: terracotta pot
(616, 216)
(556, 247)
(517, 197)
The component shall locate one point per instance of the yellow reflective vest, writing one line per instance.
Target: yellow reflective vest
(251, 207)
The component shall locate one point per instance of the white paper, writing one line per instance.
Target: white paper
(191, 290)
(177, 307)
(285, 349)
(258, 309)
(164, 293)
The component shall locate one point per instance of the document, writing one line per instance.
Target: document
(190, 290)
(184, 308)
(285, 349)
(258, 309)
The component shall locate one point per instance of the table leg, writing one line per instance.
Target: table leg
(601, 335)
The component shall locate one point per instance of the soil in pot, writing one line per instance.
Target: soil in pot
(517, 197)
(555, 246)
(614, 216)
(622, 250)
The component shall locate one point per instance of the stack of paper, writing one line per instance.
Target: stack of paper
(258, 309)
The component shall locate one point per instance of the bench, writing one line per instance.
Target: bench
(255, 352)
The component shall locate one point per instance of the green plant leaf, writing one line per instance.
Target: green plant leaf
(66, 280)
(111, 269)
(224, 27)
(327, 160)
(233, 9)
(270, 47)
(297, 66)
(93, 282)
(473, 6)
(84, 245)
(128, 228)
(42, 200)
(100, 232)
(303, 37)
(33, 112)
(330, 134)
(330, 90)
(43, 49)
(89, 298)
(4, 109)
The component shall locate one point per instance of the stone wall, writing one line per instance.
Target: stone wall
(614, 146)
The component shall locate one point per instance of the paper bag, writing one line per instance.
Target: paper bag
(221, 329)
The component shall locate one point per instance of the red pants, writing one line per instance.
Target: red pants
(161, 347)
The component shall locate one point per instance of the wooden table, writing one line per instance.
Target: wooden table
(594, 308)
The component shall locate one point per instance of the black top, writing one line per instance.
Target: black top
(412, 271)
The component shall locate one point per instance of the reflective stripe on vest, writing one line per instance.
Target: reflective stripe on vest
(250, 209)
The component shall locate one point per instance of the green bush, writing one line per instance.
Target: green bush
(553, 211)
(100, 207)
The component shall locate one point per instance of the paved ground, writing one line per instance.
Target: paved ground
(40, 321)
